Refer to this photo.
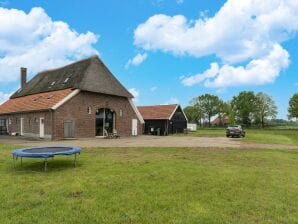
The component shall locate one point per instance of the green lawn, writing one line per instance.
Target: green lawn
(268, 136)
(152, 185)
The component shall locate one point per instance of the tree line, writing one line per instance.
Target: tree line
(247, 108)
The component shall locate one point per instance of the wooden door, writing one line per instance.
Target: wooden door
(134, 127)
(22, 126)
(41, 127)
(69, 129)
(3, 126)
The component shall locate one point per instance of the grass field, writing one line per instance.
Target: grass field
(268, 136)
(147, 185)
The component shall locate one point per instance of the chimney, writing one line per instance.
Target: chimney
(23, 77)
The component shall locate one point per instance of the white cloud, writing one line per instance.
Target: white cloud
(135, 93)
(240, 32)
(153, 89)
(137, 60)
(4, 97)
(210, 73)
(35, 41)
(257, 72)
(172, 100)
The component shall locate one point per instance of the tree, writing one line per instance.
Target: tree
(293, 107)
(223, 110)
(192, 113)
(244, 107)
(197, 104)
(265, 108)
(210, 105)
(230, 113)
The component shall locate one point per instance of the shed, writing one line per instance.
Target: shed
(163, 119)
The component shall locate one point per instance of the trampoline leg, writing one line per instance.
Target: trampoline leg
(45, 164)
(21, 161)
(14, 162)
(75, 160)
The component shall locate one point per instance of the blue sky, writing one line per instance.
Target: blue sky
(164, 51)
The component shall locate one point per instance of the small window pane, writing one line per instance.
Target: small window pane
(89, 111)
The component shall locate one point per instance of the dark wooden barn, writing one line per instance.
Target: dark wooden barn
(163, 119)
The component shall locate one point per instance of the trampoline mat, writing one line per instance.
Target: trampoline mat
(48, 150)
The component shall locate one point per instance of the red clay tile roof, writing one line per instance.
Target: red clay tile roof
(224, 120)
(35, 102)
(159, 112)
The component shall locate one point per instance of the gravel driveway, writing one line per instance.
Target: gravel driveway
(148, 141)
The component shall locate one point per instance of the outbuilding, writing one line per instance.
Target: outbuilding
(163, 119)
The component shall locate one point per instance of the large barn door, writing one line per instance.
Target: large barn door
(68, 129)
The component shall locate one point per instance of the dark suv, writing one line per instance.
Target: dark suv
(235, 131)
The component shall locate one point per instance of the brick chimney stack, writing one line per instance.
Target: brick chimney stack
(23, 77)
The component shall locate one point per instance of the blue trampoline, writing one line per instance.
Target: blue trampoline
(45, 153)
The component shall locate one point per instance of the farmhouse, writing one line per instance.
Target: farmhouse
(163, 119)
(220, 121)
(82, 99)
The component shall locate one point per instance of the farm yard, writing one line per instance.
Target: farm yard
(276, 135)
(149, 112)
(152, 185)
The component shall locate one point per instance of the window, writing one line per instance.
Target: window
(120, 113)
(37, 98)
(89, 110)
(2, 122)
(66, 80)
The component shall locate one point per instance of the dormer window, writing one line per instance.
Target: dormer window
(37, 98)
(66, 80)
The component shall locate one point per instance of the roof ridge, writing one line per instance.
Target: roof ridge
(157, 105)
(70, 64)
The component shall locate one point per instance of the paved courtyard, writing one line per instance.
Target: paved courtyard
(147, 141)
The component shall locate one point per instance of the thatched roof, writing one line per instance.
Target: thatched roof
(88, 75)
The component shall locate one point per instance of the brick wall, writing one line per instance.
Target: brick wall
(76, 110)
(31, 123)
